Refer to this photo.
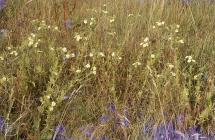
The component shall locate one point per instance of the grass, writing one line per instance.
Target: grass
(120, 67)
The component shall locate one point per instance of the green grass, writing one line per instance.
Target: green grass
(108, 64)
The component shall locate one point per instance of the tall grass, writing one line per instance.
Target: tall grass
(119, 66)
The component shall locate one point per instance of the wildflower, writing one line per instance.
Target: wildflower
(136, 64)
(170, 38)
(160, 23)
(68, 24)
(173, 74)
(67, 56)
(2, 123)
(48, 96)
(105, 12)
(129, 15)
(72, 55)
(94, 70)
(190, 59)
(51, 108)
(112, 20)
(64, 49)
(181, 41)
(113, 54)
(51, 48)
(103, 118)
(33, 35)
(85, 21)
(124, 121)
(14, 53)
(171, 66)
(56, 28)
(4, 33)
(152, 56)
(87, 66)
(2, 4)
(3, 79)
(104, 137)
(176, 30)
(144, 44)
(1, 58)
(120, 58)
(101, 54)
(78, 71)
(153, 27)
(78, 37)
(9, 48)
(53, 104)
(177, 26)
(146, 39)
(91, 55)
(60, 129)
(180, 118)
(111, 107)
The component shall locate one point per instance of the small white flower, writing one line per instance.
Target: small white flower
(129, 15)
(152, 56)
(14, 53)
(1, 58)
(3, 79)
(78, 37)
(173, 74)
(144, 45)
(39, 28)
(181, 41)
(78, 71)
(112, 20)
(177, 26)
(94, 70)
(120, 58)
(85, 21)
(136, 64)
(113, 54)
(51, 48)
(171, 66)
(146, 39)
(153, 27)
(33, 35)
(91, 55)
(64, 49)
(48, 96)
(53, 104)
(56, 28)
(176, 30)
(51, 108)
(101, 54)
(9, 48)
(105, 12)
(73, 55)
(67, 56)
(87, 66)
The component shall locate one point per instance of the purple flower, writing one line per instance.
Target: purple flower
(180, 119)
(68, 23)
(2, 4)
(60, 129)
(111, 107)
(124, 121)
(104, 118)
(2, 123)
(89, 132)
(104, 137)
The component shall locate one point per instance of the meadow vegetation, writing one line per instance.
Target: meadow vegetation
(107, 69)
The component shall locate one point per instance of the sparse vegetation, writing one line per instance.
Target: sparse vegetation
(107, 69)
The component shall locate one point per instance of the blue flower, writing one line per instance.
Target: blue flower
(104, 137)
(60, 129)
(111, 107)
(104, 118)
(2, 4)
(68, 23)
(2, 123)
(180, 118)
